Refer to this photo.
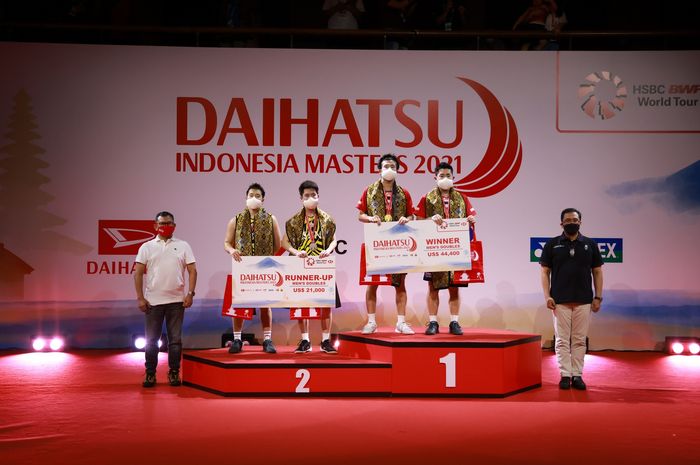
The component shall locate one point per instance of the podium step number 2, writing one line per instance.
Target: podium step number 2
(303, 375)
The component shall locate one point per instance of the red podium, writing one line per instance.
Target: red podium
(255, 373)
(480, 363)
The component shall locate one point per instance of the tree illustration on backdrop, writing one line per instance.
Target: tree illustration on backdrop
(26, 221)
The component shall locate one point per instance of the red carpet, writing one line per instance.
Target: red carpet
(87, 407)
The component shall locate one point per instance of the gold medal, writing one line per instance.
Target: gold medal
(312, 246)
(387, 218)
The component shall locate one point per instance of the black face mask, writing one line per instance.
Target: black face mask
(571, 228)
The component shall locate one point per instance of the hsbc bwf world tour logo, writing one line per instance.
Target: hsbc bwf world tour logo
(603, 95)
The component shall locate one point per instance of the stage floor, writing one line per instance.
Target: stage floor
(87, 407)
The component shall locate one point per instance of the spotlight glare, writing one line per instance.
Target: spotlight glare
(677, 348)
(694, 348)
(160, 343)
(337, 343)
(39, 343)
(56, 343)
(140, 342)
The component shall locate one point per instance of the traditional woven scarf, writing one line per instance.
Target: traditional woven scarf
(433, 204)
(375, 201)
(254, 236)
(458, 209)
(296, 225)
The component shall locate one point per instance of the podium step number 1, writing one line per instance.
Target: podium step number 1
(450, 362)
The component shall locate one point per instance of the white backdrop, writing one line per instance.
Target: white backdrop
(107, 120)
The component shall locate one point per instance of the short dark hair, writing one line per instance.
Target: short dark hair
(165, 213)
(257, 186)
(444, 166)
(570, 210)
(388, 156)
(307, 185)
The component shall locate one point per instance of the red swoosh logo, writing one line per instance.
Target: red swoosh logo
(504, 153)
(279, 279)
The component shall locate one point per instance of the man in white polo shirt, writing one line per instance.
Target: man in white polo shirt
(163, 260)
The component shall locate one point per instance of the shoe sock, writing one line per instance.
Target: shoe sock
(267, 334)
(326, 335)
(401, 319)
(454, 317)
(433, 318)
(372, 318)
(305, 336)
(237, 335)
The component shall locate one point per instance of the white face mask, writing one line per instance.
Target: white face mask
(388, 174)
(253, 203)
(311, 202)
(445, 183)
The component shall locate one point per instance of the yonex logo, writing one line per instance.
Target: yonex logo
(610, 248)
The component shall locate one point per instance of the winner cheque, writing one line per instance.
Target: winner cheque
(283, 282)
(417, 246)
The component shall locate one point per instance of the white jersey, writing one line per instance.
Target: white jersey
(166, 262)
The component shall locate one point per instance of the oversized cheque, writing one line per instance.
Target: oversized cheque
(282, 282)
(417, 246)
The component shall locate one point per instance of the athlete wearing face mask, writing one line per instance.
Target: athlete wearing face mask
(388, 174)
(311, 233)
(253, 232)
(445, 184)
(310, 203)
(571, 263)
(384, 200)
(253, 203)
(442, 202)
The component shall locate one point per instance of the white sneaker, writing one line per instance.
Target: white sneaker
(369, 328)
(404, 328)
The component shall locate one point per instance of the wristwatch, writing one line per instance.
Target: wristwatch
(598, 298)
(191, 293)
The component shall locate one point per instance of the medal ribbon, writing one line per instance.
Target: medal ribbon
(446, 206)
(388, 205)
(310, 230)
